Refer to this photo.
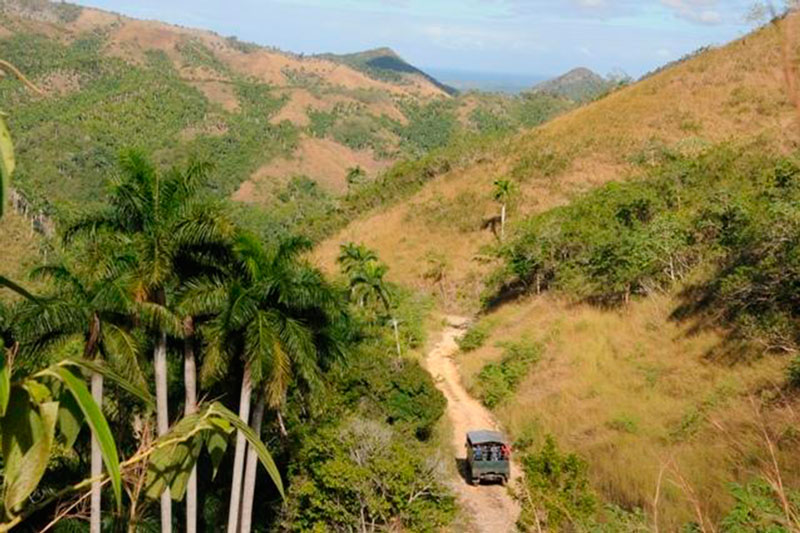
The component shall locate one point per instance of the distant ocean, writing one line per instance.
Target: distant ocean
(464, 80)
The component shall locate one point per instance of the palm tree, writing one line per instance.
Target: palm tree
(277, 315)
(92, 301)
(162, 220)
(365, 275)
(504, 192)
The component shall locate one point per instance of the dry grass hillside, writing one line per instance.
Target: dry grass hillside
(664, 422)
(732, 92)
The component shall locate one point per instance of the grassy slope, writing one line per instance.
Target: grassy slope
(731, 92)
(628, 390)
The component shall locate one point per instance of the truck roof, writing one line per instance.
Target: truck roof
(485, 436)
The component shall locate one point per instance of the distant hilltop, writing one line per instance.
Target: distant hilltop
(579, 84)
(384, 64)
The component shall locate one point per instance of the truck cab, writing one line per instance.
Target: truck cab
(488, 457)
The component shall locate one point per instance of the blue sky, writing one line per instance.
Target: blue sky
(530, 37)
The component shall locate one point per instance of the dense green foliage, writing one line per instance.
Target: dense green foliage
(556, 490)
(474, 338)
(498, 381)
(69, 142)
(732, 209)
(502, 114)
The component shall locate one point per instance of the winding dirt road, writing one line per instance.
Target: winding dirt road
(490, 507)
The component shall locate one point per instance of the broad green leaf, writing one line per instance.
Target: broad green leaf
(97, 423)
(34, 463)
(113, 377)
(5, 383)
(38, 392)
(70, 419)
(6, 163)
(18, 431)
(264, 456)
(192, 451)
(176, 452)
(216, 444)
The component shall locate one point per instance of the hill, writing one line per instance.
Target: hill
(385, 64)
(267, 115)
(637, 392)
(579, 84)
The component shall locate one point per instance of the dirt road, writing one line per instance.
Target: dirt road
(491, 508)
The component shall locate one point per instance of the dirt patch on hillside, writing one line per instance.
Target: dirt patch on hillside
(322, 160)
(91, 19)
(60, 82)
(218, 92)
(296, 108)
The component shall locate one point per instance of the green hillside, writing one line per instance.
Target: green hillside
(580, 85)
(385, 64)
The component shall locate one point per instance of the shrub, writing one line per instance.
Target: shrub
(362, 471)
(473, 338)
(794, 372)
(498, 381)
(557, 490)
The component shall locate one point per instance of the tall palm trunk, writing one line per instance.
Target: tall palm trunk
(249, 491)
(238, 457)
(396, 336)
(162, 417)
(503, 223)
(97, 460)
(190, 382)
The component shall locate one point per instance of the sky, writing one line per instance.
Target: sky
(522, 37)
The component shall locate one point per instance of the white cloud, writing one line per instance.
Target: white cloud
(702, 11)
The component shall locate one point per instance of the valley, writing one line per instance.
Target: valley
(604, 269)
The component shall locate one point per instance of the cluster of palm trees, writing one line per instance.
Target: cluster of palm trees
(163, 266)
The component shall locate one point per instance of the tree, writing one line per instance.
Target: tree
(95, 304)
(355, 176)
(504, 192)
(161, 218)
(277, 315)
(365, 275)
(34, 402)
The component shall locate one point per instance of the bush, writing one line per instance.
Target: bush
(364, 471)
(498, 381)
(473, 338)
(794, 372)
(759, 509)
(557, 490)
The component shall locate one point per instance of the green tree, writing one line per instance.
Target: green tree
(365, 277)
(355, 176)
(278, 316)
(92, 301)
(164, 222)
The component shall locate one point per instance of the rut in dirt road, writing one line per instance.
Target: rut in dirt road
(491, 507)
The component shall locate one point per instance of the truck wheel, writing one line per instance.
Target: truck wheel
(475, 481)
(504, 481)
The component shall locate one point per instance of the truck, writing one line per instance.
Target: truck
(488, 457)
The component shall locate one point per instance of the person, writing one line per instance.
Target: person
(506, 451)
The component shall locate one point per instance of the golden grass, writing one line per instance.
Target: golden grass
(734, 92)
(632, 391)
